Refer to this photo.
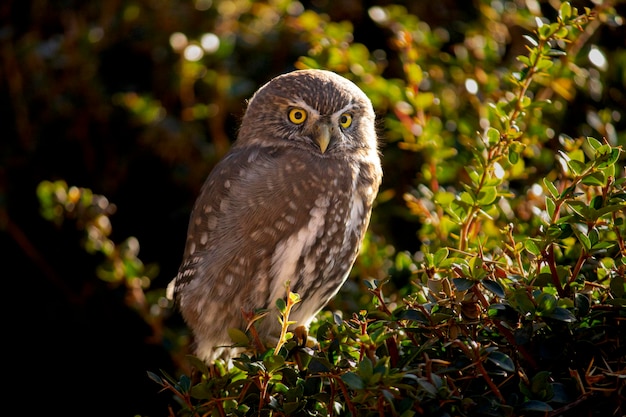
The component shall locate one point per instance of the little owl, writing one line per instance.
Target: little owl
(289, 203)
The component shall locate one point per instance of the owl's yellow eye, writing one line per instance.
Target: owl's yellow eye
(345, 120)
(297, 116)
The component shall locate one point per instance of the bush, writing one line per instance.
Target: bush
(513, 300)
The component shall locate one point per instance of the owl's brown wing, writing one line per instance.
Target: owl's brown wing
(259, 210)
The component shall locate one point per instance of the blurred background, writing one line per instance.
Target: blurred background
(135, 101)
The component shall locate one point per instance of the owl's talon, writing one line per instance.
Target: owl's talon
(301, 334)
(303, 339)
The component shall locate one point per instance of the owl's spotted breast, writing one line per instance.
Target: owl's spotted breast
(276, 210)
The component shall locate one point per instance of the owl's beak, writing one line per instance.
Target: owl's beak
(322, 136)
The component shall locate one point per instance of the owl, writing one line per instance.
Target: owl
(289, 203)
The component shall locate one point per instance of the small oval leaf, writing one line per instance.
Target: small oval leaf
(494, 286)
(502, 360)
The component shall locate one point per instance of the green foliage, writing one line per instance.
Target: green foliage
(121, 265)
(515, 302)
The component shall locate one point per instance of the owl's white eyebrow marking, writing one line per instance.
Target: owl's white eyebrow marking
(344, 109)
(303, 104)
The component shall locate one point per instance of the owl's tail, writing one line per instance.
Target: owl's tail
(169, 291)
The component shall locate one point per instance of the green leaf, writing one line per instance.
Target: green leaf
(618, 286)
(551, 188)
(487, 196)
(534, 405)
(524, 59)
(273, 362)
(562, 314)
(294, 297)
(541, 386)
(441, 255)
(463, 284)
(545, 303)
(427, 386)
(532, 247)
(565, 11)
(501, 360)
(494, 286)
(366, 368)
(414, 73)
(558, 52)
(467, 198)
(544, 64)
(320, 364)
(594, 143)
(576, 166)
(201, 392)
(594, 178)
(281, 305)
(522, 302)
(238, 337)
(353, 380)
(423, 100)
(581, 301)
(583, 239)
(609, 159)
(580, 208)
(155, 378)
(550, 207)
(544, 32)
(610, 209)
(199, 364)
(290, 408)
(457, 211)
(531, 41)
(184, 383)
(493, 136)
(413, 315)
(444, 198)
(403, 261)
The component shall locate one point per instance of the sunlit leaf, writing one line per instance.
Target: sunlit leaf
(532, 247)
(594, 178)
(493, 136)
(565, 11)
(238, 337)
(551, 188)
(487, 195)
(530, 40)
(576, 166)
(441, 255)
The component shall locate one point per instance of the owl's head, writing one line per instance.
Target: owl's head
(312, 109)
